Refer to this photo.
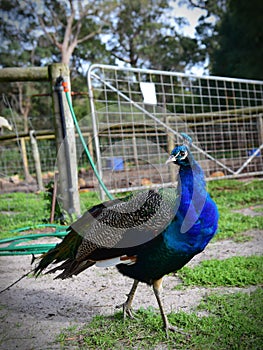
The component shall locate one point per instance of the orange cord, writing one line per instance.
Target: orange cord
(65, 86)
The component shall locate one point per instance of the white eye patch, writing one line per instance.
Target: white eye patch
(184, 156)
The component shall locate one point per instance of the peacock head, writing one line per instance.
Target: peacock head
(181, 155)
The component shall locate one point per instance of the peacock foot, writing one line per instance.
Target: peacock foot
(171, 328)
(127, 310)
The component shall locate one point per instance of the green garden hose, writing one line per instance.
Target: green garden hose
(12, 246)
(84, 144)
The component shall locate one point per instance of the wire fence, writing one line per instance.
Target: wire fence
(11, 161)
(138, 116)
(17, 154)
(17, 164)
(136, 119)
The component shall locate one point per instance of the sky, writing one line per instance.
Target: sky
(191, 15)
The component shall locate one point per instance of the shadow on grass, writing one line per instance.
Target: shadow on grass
(230, 322)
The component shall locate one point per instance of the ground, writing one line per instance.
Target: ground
(34, 311)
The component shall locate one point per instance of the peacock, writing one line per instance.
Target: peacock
(146, 235)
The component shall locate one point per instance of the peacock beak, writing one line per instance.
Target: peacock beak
(172, 158)
(181, 155)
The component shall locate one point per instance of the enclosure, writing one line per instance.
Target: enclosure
(134, 119)
(138, 116)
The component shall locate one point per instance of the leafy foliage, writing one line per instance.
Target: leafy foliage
(231, 32)
(136, 25)
(143, 28)
(239, 52)
(49, 31)
(77, 33)
(37, 33)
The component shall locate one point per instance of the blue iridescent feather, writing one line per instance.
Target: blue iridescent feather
(147, 235)
(193, 226)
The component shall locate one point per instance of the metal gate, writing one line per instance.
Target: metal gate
(138, 115)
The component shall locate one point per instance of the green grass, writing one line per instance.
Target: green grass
(236, 271)
(20, 210)
(258, 209)
(88, 200)
(234, 225)
(25, 209)
(233, 321)
(234, 194)
(229, 195)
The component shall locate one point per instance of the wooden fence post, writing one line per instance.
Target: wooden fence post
(36, 157)
(65, 142)
(28, 177)
(64, 130)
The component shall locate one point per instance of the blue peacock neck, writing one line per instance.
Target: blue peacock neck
(192, 193)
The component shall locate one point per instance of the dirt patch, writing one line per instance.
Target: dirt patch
(35, 311)
(252, 211)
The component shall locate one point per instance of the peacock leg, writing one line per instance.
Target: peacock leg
(157, 286)
(127, 309)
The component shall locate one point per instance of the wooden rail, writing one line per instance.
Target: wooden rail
(24, 74)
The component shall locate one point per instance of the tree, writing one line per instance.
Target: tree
(71, 31)
(41, 32)
(144, 34)
(175, 52)
(51, 30)
(240, 51)
(134, 29)
(231, 32)
(141, 33)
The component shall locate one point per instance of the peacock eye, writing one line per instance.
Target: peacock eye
(182, 153)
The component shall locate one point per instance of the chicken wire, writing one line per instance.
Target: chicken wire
(16, 155)
(138, 116)
(11, 161)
